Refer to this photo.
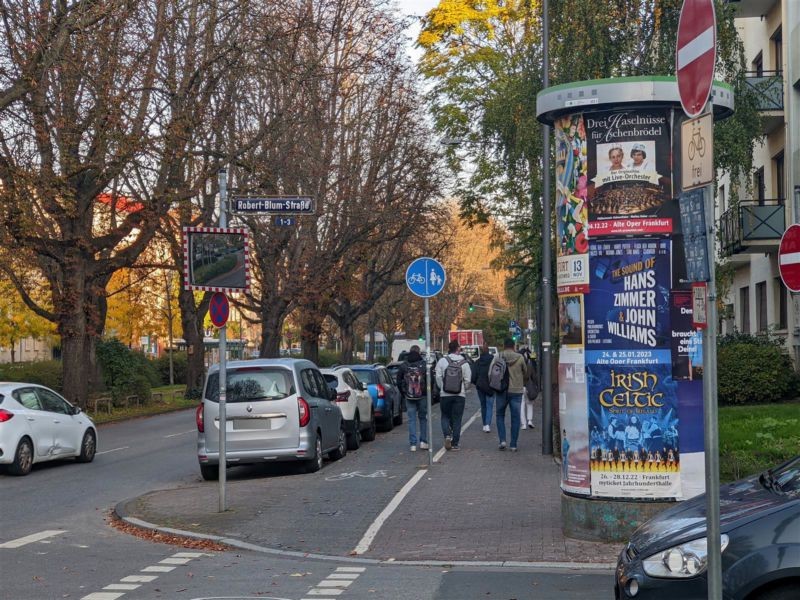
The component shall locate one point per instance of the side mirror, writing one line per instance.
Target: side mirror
(362, 387)
(76, 410)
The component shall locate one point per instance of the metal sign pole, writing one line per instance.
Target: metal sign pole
(710, 415)
(429, 363)
(223, 338)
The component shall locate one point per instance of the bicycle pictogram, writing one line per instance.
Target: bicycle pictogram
(354, 474)
(697, 145)
(416, 278)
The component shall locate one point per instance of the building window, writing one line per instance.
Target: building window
(761, 306)
(744, 308)
(758, 65)
(722, 202)
(758, 185)
(780, 177)
(781, 304)
(777, 49)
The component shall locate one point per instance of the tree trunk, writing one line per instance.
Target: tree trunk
(271, 326)
(191, 323)
(348, 341)
(309, 339)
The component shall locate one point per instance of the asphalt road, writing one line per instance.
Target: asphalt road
(55, 541)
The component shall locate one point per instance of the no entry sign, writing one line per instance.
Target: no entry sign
(219, 309)
(696, 54)
(789, 258)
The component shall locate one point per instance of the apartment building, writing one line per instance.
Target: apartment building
(751, 224)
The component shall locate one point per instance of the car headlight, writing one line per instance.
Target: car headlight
(686, 560)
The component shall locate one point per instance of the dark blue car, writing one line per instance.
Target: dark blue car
(760, 528)
(387, 401)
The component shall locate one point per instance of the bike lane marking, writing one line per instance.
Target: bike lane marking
(34, 537)
(335, 583)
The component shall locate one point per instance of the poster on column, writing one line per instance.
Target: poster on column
(633, 408)
(572, 216)
(629, 303)
(629, 183)
(573, 417)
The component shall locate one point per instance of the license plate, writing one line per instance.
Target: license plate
(240, 424)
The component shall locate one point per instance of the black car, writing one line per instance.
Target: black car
(760, 528)
(387, 401)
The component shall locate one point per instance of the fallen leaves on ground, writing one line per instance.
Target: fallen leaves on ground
(165, 538)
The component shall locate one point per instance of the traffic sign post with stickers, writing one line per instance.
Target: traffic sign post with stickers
(425, 277)
(695, 58)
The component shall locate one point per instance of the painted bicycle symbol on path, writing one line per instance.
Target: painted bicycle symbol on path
(354, 474)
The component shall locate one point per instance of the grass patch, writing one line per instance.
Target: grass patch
(167, 398)
(755, 438)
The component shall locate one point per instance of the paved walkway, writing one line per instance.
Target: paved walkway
(477, 504)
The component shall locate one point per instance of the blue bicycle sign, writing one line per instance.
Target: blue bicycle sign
(425, 277)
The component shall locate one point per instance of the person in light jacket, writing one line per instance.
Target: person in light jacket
(452, 404)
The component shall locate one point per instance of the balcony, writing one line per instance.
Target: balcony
(768, 87)
(752, 8)
(752, 227)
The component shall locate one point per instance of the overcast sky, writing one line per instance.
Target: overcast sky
(415, 8)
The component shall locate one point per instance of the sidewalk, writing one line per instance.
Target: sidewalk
(477, 504)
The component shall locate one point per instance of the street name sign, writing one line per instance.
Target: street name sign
(789, 257)
(274, 205)
(219, 309)
(697, 152)
(425, 277)
(696, 54)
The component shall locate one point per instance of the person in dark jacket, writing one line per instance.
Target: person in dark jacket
(416, 399)
(480, 379)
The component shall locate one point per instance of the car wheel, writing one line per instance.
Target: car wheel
(388, 423)
(341, 446)
(398, 418)
(88, 447)
(23, 458)
(315, 464)
(354, 439)
(782, 592)
(369, 433)
(209, 472)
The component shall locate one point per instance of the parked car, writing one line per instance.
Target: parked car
(760, 529)
(394, 369)
(277, 410)
(37, 425)
(387, 401)
(355, 403)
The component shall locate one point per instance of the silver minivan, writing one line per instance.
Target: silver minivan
(277, 410)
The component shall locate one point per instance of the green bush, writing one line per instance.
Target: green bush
(179, 367)
(125, 371)
(328, 358)
(44, 372)
(753, 370)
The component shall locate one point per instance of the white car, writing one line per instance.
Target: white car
(356, 404)
(37, 425)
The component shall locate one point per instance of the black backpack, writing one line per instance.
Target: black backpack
(415, 381)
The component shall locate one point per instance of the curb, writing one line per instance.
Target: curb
(121, 512)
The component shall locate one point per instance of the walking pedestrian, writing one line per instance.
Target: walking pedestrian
(453, 374)
(531, 390)
(480, 379)
(515, 374)
(413, 383)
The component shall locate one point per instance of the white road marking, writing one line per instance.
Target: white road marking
(123, 586)
(350, 569)
(114, 450)
(181, 433)
(139, 578)
(696, 48)
(174, 561)
(327, 583)
(350, 576)
(157, 569)
(34, 537)
(104, 596)
(190, 554)
(316, 592)
(373, 529)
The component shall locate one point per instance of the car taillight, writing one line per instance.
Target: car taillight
(381, 391)
(5, 415)
(343, 396)
(198, 418)
(304, 411)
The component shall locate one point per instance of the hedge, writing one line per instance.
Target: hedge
(45, 372)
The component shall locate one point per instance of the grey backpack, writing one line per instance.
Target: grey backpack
(453, 376)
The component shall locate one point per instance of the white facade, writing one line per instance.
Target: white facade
(28, 350)
(750, 230)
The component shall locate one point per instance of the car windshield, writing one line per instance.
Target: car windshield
(366, 377)
(249, 384)
(784, 479)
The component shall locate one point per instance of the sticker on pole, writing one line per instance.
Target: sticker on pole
(789, 258)
(425, 277)
(219, 309)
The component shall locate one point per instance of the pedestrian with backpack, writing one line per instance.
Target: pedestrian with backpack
(453, 374)
(480, 379)
(413, 383)
(507, 375)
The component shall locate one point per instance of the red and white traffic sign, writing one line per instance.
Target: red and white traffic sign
(789, 257)
(696, 54)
